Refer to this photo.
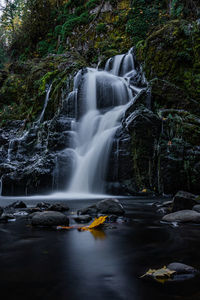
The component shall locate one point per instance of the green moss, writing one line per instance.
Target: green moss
(171, 54)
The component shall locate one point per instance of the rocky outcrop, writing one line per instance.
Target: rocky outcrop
(175, 99)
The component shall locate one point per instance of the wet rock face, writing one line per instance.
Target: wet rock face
(49, 218)
(182, 268)
(83, 219)
(18, 204)
(183, 216)
(106, 206)
(196, 208)
(183, 200)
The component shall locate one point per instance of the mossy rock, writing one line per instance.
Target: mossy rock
(23, 90)
(172, 54)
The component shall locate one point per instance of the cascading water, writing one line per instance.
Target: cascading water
(82, 149)
(102, 98)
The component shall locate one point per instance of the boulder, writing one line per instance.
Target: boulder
(49, 218)
(106, 206)
(89, 210)
(17, 204)
(43, 205)
(183, 200)
(83, 219)
(183, 216)
(58, 207)
(196, 208)
(6, 217)
(181, 268)
(110, 206)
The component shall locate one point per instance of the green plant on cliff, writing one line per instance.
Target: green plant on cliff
(142, 17)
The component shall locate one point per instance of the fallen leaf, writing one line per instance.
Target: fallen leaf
(160, 275)
(95, 224)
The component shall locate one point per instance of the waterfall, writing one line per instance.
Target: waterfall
(102, 97)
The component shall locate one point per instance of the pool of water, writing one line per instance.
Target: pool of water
(38, 263)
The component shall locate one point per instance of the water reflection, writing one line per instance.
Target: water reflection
(98, 234)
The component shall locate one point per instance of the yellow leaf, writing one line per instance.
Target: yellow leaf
(95, 224)
(160, 275)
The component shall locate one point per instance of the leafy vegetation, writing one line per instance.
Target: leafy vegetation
(33, 30)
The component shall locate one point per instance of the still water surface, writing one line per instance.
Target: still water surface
(48, 264)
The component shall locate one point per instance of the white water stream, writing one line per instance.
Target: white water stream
(104, 96)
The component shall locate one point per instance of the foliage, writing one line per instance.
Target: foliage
(160, 275)
(142, 17)
(95, 224)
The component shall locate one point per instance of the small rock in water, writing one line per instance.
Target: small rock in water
(49, 218)
(83, 219)
(182, 268)
(43, 205)
(183, 216)
(107, 206)
(58, 207)
(196, 208)
(112, 219)
(17, 204)
(6, 218)
(110, 206)
(90, 210)
(183, 200)
(31, 210)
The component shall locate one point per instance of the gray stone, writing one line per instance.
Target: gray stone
(183, 200)
(106, 206)
(90, 210)
(110, 206)
(196, 208)
(18, 204)
(49, 218)
(6, 217)
(58, 207)
(83, 219)
(43, 205)
(183, 216)
(181, 268)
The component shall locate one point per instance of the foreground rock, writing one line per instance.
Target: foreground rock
(182, 268)
(183, 200)
(58, 207)
(49, 218)
(183, 216)
(106, 206)
(52, 207)
(196, 208)
(17, 204)
(6, 218)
